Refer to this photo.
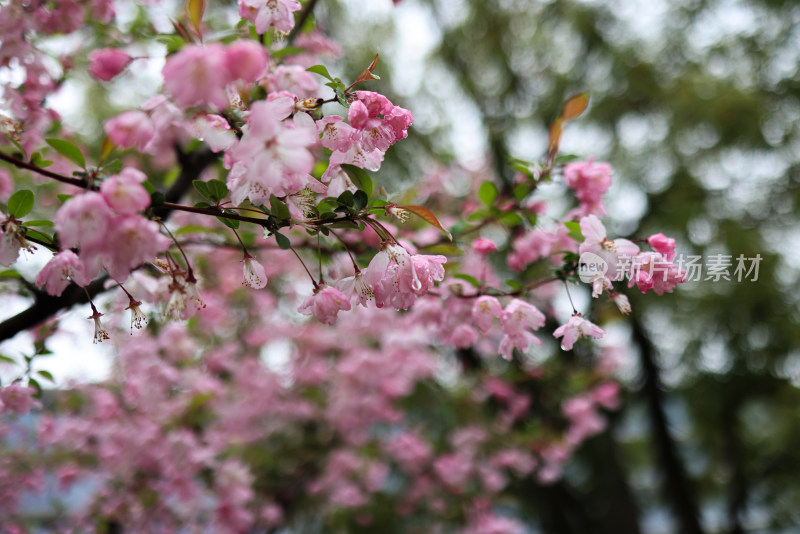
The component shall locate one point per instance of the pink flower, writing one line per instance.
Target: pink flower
(518, 319)
(294, 79)
(83, 220)
(530, 247)
(130, 128)
(246, 60)
(575, 328)
(590, 181)
(272, 157)
(125, 193)
(325, 304)
(197, 76)
(336, 134)
(12, 241)
(622, 302)
(663, 245)
(266, 13)
(484, 310)
(106, 63)
(254, 274)
(484, 246)
(6, 185)
(650, 270)
(17, 398)
(463, 336)
(57, 273)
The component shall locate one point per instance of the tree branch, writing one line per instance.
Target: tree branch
(677, 487)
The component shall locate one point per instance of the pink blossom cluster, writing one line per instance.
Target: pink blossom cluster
(374, 125)
(647, 270)
(107, 229)
(200, 75)
(590, 181)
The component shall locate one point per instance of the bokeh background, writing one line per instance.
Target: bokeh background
(695, 103)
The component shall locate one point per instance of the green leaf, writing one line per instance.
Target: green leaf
(342, 98)
(39, 223)
(467, 278)
(7, 359)
(10, 273)
(321, 70)
(63, 198)
(35, 234)
(38, 387)
(230, 223)
(487, 193)
(346, 199)
(574, 228)
(113, 167)
(47, 375)
(378, 203)
(511, 219)
(277, 55)
(148, 187)
(360, 198)
(359, 177)
(194, 229)
(217, 189)
(283, 241)
(39, 161)
(20, 203)
(202, 188)
(172, 42)
(513, 284)
(279, 209)
(68, 150)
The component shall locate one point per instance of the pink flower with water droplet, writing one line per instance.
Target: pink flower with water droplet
(576, 328)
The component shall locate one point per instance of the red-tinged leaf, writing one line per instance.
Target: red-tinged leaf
(428, 216)
(555, 137)
(181, 30)
(194, 10)
(367, 75)
(574, 106)
(108, 146)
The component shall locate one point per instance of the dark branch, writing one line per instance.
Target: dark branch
(677, 487)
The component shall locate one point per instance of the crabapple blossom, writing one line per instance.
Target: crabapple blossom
(663, 245)
(484, 246)
(272, 158)
(590, 181)
(577, 327)
(197, 76)
(325, 304)
(518, 319)
(254, 274)
(62, 268)
(267, 13)
(651, 270)
(17, 399)
(106, 63)
(246, 60)
(12, 241)
(125, 193)
(130, 128)
(484, 310)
